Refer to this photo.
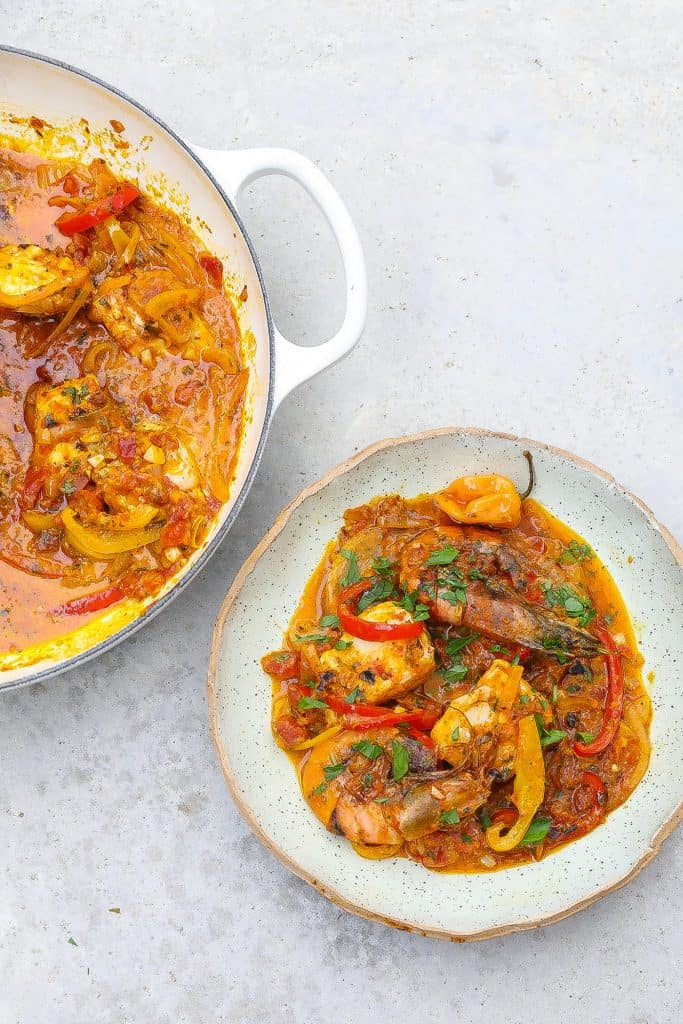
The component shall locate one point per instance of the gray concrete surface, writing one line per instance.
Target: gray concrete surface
(515, 171)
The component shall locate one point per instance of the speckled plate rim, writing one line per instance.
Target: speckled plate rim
(655, 844)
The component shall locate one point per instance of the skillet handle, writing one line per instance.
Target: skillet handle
(235, 169)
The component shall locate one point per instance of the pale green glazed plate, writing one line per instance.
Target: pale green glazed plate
(646, 564)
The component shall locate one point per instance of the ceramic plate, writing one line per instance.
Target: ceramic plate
(646, 564)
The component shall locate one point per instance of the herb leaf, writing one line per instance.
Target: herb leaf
(329, 622)
(400, 763)
(334, 769)
(575, 552)
(342, 645)
(368, 749)
(308, 703)
(383, 566)
(586, 737)
(576, 606)
(449, 817)
(410, 602)
(380, 590)
(537, 831)
(456, 643)
(443, 556)
(313, 638)
(354, 696)
(548, 737)
(455, 674)
(352, 570)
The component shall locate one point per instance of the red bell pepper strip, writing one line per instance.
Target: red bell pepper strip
(597, 785)
(98, 211)
(506, 816)
(342, 707)
(421, 720)
(614, 701)
(93, 602)
(421, 737)
(363, 628)
(33, 485)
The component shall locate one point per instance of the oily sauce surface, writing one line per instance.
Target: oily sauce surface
(121, 395)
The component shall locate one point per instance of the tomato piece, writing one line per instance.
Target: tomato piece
(185, 392)
(213, 267)
(127, 446)
(283, 664)
(175, 531)
(98, 211)
(289, 730)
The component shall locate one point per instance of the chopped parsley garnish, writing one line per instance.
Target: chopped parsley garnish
(308, 703)
(466, 838)
(548, 736)
(537, 831)
(455, 735)
(449, 817)
(399, 759)
(576, 606)
(313, 638)
(68, 487)
(383, 566)
(586, 737)
(76, 394)
(341, 645)
(329, 622)
(575, 552)
(524, 698)
(477, 574)
(455, 674)
(368, 749)
(352, 570)
(515, 660)
(499, 649)
(410, 602)
(553, 645)
(450, 584)
(320, 788)
(443, 556)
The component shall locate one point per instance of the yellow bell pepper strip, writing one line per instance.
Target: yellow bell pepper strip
(39, 521)
(528, 791)
(484, 500)
(102, 543)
